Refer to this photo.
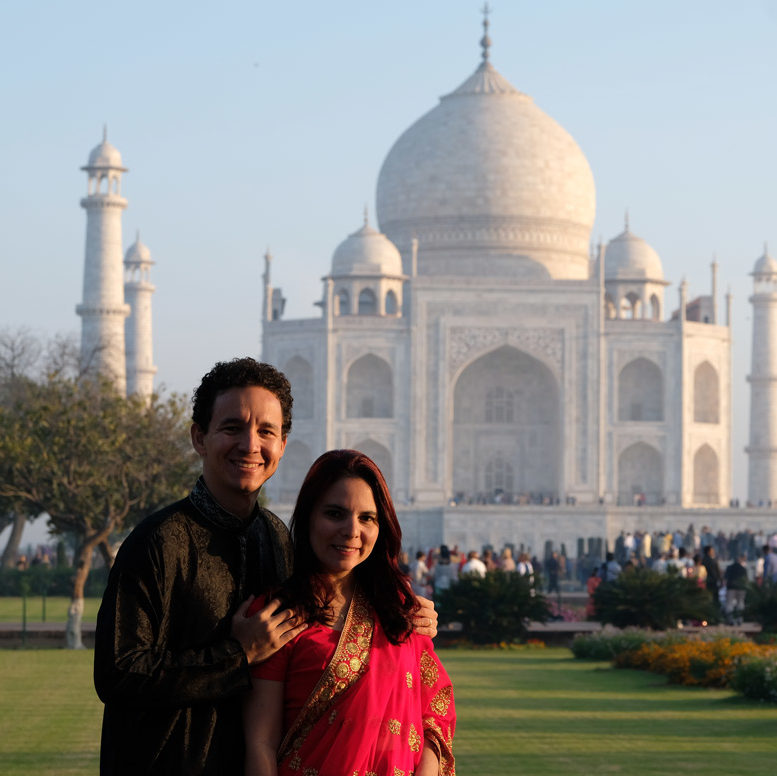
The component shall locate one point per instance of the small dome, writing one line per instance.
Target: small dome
(105, 155)
(366, 252)
(628, 257)
(138, 253)
(766, 265)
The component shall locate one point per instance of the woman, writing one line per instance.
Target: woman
(445, 571)
(358, 692)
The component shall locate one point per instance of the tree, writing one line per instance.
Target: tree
(94, 461)
(644, 598)
(493, 609)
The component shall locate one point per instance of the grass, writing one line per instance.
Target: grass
(533, 712)
(56, 609)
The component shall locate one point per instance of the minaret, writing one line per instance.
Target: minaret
(137, 292)
(762, 450)
(103, 310)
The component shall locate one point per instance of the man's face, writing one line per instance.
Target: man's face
(242, 447)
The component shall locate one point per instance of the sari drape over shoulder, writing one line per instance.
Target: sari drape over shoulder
(371, 708)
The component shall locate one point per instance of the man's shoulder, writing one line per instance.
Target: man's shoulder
(160, 525)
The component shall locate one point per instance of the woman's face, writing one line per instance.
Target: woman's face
(344, 526)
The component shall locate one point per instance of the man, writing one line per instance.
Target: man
(770, 564)
(173, 645)
(714, 579)
(419, 574)
(474, 565)
(610, 569)
(736, 587)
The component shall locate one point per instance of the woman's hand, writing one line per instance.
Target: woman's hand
(425, 619)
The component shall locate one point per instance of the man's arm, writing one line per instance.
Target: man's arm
(262, 716)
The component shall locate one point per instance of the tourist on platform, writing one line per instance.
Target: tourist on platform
(506, 561)
(474, 566)
(736, 587)
(445, 571)
(610, 569)
(419, 574)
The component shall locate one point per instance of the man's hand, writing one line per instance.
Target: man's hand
(425, 619)
(265, 632)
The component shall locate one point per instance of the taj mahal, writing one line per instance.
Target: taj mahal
(515, 383)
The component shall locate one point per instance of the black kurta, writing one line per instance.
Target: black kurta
(169, 673)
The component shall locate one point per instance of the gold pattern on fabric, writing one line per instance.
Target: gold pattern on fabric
(429, 670)
(413, 739)
(395, 726)
(295, 763)
(398, 771)
(409, 680)
(310, 772)
(370, 773)
(441, 701)
(442, 744)
(342, 671)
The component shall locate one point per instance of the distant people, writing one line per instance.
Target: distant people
(506, 561)
(552, 567)
(488, 560)
(698, 572)
(736, 587)
(594, 580)
(419, 574)
(610, 569)
(474, 566)
(714, 577)
(770, 564)
(445, 571)
(525, 567)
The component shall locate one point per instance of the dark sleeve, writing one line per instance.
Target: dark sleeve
(146, 653)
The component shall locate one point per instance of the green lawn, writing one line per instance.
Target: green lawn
(536, 712)
(56, 609)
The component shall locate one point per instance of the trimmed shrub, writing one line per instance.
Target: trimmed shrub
(646, 599)
(761, 605)
(756, 678)
(608, 644)
(493, 609)
(51, 581)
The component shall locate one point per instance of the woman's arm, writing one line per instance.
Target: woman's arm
(430, 761)
(262, 718)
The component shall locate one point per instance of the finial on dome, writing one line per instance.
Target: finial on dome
(626, 221)
(366, 215)
(485, 41)
(105, 133)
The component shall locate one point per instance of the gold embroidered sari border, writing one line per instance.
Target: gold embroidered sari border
(346, 667)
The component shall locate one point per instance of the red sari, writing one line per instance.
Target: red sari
(370, 710)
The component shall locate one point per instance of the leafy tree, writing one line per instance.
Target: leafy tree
(646, 599)
(493, 609)
(94, 461)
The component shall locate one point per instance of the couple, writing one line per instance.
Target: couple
(201, 595)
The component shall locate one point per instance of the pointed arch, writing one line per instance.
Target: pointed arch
(368, 304)
(655, 308)
(300, 374)
(641, 391)
(706, 394)
(369, 391)
(506, 418)
(342, 302)
(640, 475)
(381, 455)
(296, 461)
(392, 306)
(706, 476)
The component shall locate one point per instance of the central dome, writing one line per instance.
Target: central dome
(487, 172)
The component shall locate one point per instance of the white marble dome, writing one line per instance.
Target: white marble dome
(105, 155)
(628, 257)
(138, 253)
(766, 265)
(487, 170)
(366, 252)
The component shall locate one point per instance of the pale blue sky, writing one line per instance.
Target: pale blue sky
(265, 123)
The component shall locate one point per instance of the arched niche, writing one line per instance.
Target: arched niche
(706, 394)
(610, 311)
(631, 306)
(368, 304)
(640, 475)
(641, 391)
(342, 302)
(706, 476)
(506, 408)
(392, 306)
(499, 475)
(292, 470)
(300, 375)
(369, 391)
(380, 455)
(655, 308)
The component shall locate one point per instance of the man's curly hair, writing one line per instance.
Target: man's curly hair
(240, 373)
